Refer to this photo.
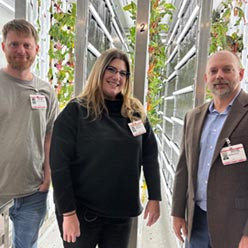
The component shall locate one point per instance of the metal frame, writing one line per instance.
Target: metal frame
(81, 45)
(140, 76)
(201, 11)
(2, 2)
(202, 48)
(245, 49)
(21, 9)
(141, 48)
(4, 211)
(100, 22)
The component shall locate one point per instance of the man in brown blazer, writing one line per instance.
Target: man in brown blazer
(210, 197)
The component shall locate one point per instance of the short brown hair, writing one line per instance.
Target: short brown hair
(20, 26)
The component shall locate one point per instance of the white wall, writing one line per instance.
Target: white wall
(7, 11)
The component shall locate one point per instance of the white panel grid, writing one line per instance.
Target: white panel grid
(245, 50)
(7, 13)
(39, 16)
(44, 38)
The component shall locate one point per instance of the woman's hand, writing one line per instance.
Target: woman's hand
(152, 211)
(71, 228)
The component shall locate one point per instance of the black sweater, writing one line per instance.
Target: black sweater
(97, 164)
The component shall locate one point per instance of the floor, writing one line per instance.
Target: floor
(51, 237)
(160, 235)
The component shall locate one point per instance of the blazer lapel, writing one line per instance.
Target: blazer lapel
(197, 127)
(238, 110)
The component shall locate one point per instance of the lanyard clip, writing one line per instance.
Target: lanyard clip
(228, 141)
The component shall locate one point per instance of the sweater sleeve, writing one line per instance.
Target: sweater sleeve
(62, 154)
(150, 164)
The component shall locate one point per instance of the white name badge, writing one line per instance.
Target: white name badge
(38, 101)
(137, 127)
(233, 154)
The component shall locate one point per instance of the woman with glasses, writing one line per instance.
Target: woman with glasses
(100, 141)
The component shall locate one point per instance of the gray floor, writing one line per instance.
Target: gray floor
(159, 235)
(51, 237)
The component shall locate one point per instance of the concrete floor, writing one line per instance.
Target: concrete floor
(160, 235)
(51, 237)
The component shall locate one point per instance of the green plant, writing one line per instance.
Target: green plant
(219, 39)
(132, 9)
(38, 27)
(157, 56)
(61, 50)
(221, 23)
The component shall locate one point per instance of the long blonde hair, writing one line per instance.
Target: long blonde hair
(92, 97)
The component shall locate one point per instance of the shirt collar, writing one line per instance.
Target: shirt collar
(211, 108)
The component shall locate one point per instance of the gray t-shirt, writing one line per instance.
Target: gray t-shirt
(22, 134)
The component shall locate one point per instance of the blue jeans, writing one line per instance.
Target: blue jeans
(200, 235)
(102, 231)
(27, 215)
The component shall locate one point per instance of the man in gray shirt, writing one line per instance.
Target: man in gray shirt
(28, 108)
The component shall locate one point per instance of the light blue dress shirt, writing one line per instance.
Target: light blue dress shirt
(211, 130)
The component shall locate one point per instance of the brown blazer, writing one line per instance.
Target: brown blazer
(227, 190)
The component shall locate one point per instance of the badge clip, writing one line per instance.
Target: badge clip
(228, 142)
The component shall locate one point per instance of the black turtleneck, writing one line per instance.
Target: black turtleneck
(114, 106)
(97, 163)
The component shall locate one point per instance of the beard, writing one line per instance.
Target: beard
(22, 64)
(222, 88)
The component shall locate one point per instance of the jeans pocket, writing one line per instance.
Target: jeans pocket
(42, 192)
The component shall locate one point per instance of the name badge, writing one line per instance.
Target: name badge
(38, 101)
(137, 127)
(233, 154)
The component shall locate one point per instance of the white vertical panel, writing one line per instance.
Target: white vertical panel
(44, 38)
(245, 50)
(81, 45)
(7, 10)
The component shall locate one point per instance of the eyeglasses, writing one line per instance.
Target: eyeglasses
(113, 70)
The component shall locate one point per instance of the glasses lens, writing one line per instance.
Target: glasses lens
(123, 73)
(113, 70)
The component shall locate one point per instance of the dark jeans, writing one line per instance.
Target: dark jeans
(102, 231)
(200, 235)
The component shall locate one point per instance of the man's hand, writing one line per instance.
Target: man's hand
(180, 227)
(44, 187)
(243, 242)
(71, 228)
(152, 211)
(46, 166)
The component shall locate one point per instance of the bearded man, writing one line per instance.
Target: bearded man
(28, 108)
(210, 197)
